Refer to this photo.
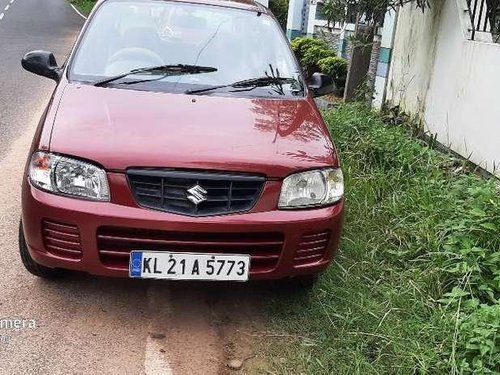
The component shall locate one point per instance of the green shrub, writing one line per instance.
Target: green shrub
(479, 345)
(301, 44)
(313, 56)
(333, 66)
(336, 67)
(310, 51)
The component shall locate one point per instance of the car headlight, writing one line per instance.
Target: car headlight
(67, 176)
(314, 188)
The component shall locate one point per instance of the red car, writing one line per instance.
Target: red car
(181, 142)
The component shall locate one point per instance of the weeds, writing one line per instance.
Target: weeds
(415, 286)
(84, 5)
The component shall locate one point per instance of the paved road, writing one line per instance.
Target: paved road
(27, 25)
(86, 324)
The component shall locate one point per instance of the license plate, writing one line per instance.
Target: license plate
(188, 266)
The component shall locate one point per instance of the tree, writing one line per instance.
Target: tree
(370, 11)
(334, 11)
(280, 11)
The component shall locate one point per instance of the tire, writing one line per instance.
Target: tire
(298, 283)
(30, 264)
(306, 281)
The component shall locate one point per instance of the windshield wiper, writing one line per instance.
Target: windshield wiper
(168, 70)
(247, 83)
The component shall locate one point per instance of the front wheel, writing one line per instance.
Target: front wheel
(30, 264)
(306, 281)
(298, 283)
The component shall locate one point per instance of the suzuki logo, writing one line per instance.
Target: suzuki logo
(197, 194)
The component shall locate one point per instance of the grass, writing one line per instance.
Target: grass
(415, 285)
(85, 6)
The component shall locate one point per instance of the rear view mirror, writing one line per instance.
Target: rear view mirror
(321, 84)
(42, 63)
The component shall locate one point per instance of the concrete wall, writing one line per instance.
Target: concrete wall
(413, 56)
(463, 102)
(453, 83)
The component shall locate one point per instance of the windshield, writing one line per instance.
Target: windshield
(240, 44)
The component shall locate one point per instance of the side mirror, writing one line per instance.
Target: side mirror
(321, 84)
(42, 63)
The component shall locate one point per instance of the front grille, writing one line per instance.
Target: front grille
(312, 248)
(168, 191)
(61, 239)
(115, 245)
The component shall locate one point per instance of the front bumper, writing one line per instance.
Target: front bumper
(122, 214)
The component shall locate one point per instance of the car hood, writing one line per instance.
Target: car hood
(122, 128)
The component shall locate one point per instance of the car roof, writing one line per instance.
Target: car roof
(239, 4)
